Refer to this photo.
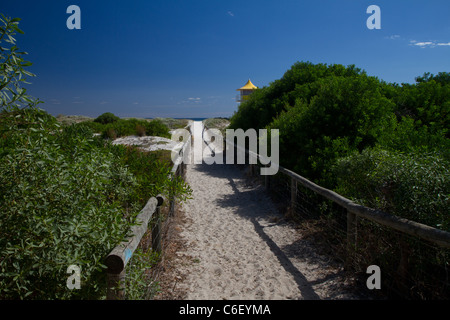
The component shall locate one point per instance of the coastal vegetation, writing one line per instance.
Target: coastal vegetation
(67, 197)
(381, 144)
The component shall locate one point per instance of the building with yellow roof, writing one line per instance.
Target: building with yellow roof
(246, 91)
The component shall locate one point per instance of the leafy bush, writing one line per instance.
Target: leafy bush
(414, 186)
(427, 101)
(95, 127)
(151, 170)
(62, 197)
(12, 67)
(106, 118)
(298, 84)
(128, 127)
(345, 115)
(66, 197)
(408, 136)
(157, 128)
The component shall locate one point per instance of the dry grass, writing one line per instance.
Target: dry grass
(68, 120)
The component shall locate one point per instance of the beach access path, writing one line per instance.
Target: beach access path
(239, 246)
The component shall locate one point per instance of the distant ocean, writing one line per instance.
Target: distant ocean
(194, 119)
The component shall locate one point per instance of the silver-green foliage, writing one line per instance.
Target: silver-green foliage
(411, 185)
(61, 205)
(12, 66)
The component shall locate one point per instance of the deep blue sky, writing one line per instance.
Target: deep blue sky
(145, 58)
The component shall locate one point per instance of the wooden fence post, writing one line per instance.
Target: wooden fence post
(267, 180)
(156, 232)
(351, 237)
(293, 194)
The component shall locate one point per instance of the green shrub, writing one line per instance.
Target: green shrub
(140, 130)
(62, 199)
(427, 102)
(347, 114)
(157, 128)
(129, 127)
(67, 198)
(297, 84)
(12, 67)
(95, 127)
(406, 135)
(415, 186)
(106, 118)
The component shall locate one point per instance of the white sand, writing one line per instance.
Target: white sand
(148, 143)
(241, 247)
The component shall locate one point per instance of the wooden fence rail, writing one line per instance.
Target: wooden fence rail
(436, 248)
(179, 167)
(117, 260)
(436, 236)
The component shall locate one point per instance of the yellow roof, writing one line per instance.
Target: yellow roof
(248, 86)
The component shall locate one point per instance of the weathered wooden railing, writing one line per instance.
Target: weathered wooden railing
(117, 260)
(179, 167)
(119, 257)
(438, 238)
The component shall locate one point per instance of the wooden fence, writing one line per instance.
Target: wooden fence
(119, 257)
(438, 238)
(117, 260)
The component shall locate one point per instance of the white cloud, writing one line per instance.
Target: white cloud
(192, 101)
(424, 44)
(230, 13)
(428, 44)
(393, 37)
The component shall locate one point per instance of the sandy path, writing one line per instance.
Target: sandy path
(241, 247)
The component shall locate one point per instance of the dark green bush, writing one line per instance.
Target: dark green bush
(427, 102)
(62, 198)
(406, 135)
(157, 128)
(128, 127)
(346, 114)
(96, 127)
(411, 185)
(297, 84)
(66, 198)
(106, 118)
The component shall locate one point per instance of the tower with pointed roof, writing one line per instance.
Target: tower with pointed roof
(246, 91)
